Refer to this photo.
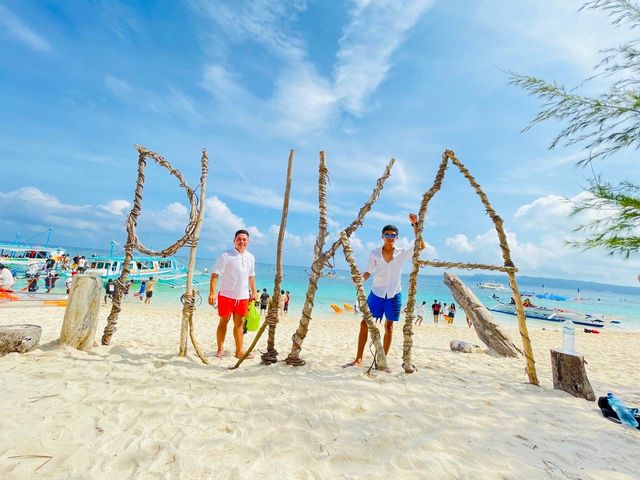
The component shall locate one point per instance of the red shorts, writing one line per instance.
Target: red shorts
(227, 306)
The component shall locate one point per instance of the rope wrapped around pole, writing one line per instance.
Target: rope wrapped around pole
(190, 236)
(379, 359)
(466, 266)
(271, 355)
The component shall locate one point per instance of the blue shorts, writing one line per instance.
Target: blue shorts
(390, 307)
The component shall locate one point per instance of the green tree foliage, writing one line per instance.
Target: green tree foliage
(602, 125)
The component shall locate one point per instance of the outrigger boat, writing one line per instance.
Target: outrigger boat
(19, 257)
(556, 315)
(164, 270)
(491, 286)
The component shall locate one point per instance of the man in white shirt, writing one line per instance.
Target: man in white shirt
(236, 267)
(385, 264)
(6, 279)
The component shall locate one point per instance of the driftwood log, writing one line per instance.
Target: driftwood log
(570, 375)
(19, 338)
(485, 327)
(81, 315)
(465, 347)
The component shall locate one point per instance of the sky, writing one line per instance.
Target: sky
(82, 82)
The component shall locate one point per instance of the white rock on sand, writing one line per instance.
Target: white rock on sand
(136, 410)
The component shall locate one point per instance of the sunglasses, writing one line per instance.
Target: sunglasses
(390, 235)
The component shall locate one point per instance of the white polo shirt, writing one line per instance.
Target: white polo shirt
(386, 275)
(234, 269)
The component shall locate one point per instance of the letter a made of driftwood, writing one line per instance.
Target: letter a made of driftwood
(133, 243)
(485, 327)
(508, 266)
(321, 258)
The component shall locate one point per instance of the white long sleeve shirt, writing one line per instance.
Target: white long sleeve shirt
(386, 275)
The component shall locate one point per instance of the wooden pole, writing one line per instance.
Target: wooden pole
(189, 296)
(271, 355)
(380, 359)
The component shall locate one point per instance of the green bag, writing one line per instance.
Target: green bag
(253, 317)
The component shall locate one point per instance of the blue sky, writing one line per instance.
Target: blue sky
(82, 82)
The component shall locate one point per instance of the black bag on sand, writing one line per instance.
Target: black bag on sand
(610, 413)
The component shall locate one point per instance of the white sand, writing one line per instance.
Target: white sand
(136, 410)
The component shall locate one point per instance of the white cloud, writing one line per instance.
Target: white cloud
(18, 30)
(374, 32)
(221, 223)
(117, 207)
(304, 101)
(545, 251)
(459, 242)
(553, 31)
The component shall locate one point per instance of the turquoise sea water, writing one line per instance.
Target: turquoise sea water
(620, 303)
(340, 290)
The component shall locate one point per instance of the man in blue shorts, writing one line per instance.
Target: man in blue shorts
(385, 299)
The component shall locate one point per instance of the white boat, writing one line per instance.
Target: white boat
(557, 315)
(164, 270)
(491, 286)
(19, 257)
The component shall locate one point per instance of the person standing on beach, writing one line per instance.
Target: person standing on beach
(385, 299)
(150, 284)
(452, 313)
(82, 264)
(286, 302)
(264, 301)
(109, 290)
(420, 313)
(6, 279)
(236, 270)
(143, 288)
(281, 302)
(435, 309)
(445, 313)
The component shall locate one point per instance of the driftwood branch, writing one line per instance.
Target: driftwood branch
(189, 298)
(316, 267)
(380, 360)
(407, 329)
(271, 355)
(488, 331)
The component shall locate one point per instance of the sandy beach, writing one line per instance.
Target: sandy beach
(136, 410)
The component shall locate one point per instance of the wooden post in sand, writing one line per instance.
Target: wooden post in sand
(81, 315)
(570, 375)
(271, 355)
(19, 338)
